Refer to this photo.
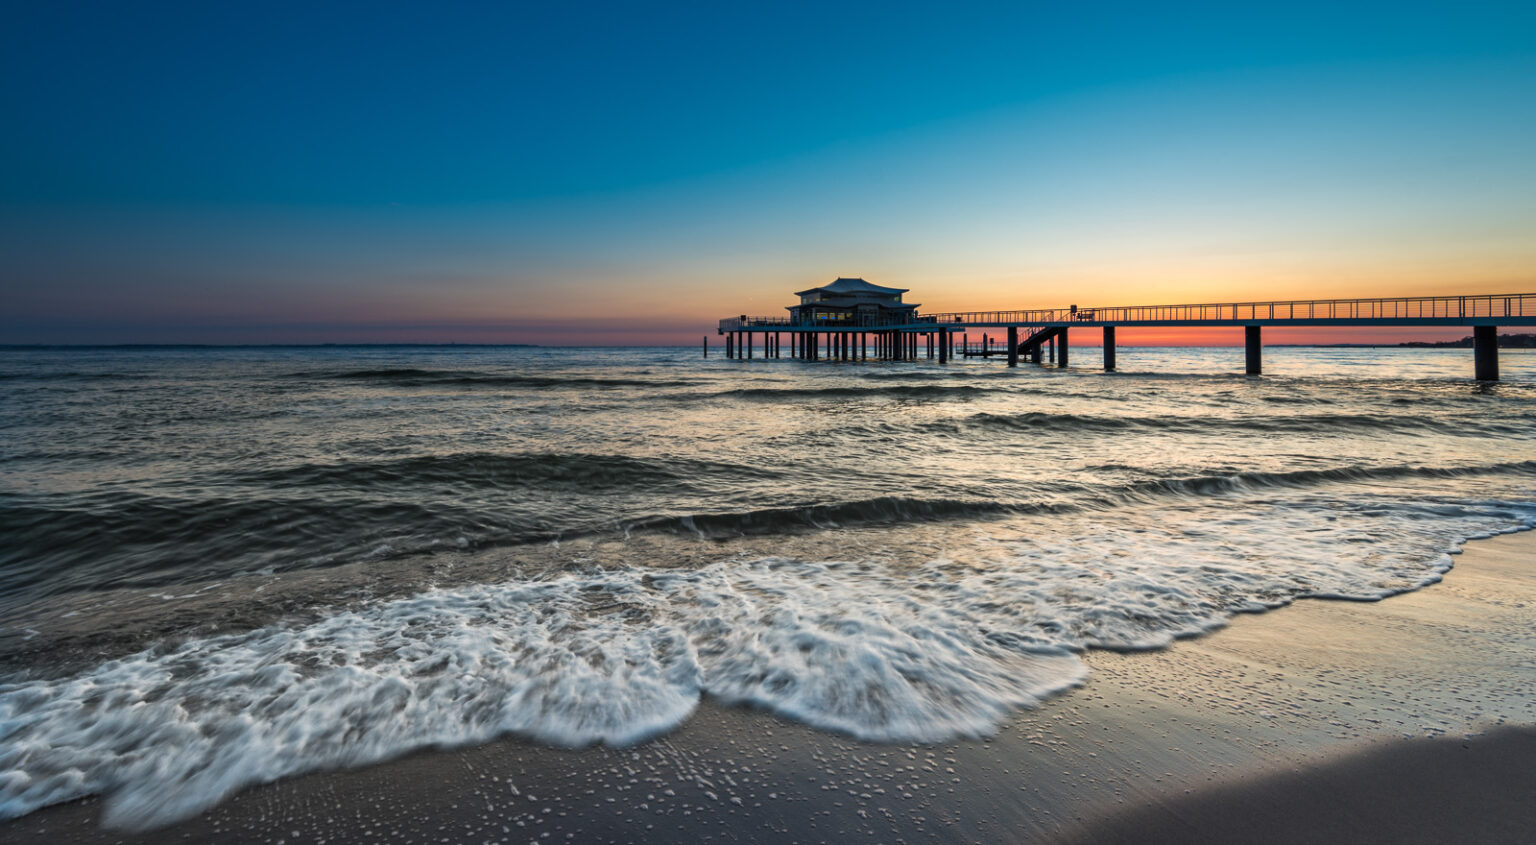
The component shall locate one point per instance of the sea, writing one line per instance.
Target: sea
(224, 566)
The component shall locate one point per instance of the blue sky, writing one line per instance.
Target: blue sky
(539, 173)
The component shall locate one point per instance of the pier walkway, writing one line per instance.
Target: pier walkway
(1034, 333)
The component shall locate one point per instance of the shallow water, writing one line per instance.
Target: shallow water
(222, 566)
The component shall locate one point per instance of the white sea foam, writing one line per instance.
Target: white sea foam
(884, 653)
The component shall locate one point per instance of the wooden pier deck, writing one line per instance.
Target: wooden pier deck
(1036, 333)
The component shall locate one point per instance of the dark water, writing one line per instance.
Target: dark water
(222, 566)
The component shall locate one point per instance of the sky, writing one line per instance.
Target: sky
(590, 173)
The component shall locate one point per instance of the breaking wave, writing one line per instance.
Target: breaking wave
(921, 654)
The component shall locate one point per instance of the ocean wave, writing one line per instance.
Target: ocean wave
(881, 510)
(417, 377)
(1241, 482)
(488, 469)
(897, 391)
(1069, 496)
(918, 654)
(115, 539)
(71, 375)
(1038, 421)
(57, 545)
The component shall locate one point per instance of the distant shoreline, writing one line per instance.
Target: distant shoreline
(444, 345)
(1506, 341)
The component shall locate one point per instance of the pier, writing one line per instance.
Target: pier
(1041, 335)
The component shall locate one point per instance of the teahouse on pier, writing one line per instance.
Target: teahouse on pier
(854, 320)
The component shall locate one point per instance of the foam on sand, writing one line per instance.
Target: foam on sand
(926, 653)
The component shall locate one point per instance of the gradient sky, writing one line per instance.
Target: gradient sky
(629, 173)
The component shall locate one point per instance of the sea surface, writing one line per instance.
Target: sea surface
(222, 566)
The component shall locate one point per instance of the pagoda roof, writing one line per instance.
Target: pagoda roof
(852, 286)
(853, 301)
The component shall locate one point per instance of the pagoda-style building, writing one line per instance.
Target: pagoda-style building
(851, 302)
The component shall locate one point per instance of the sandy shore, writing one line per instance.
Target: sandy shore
(1407, 720)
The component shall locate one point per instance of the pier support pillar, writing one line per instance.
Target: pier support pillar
(1485, 352)
(944, 347)
(1037, 353)
(1013, 346)
(1061, 356)
(1109, 348)
(730, 347)
(1255, 350)
(1052, 355)
(748, 337)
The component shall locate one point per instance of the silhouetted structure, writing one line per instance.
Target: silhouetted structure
(852, 302)
(837, 330)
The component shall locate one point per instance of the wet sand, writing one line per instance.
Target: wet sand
(1406, 720)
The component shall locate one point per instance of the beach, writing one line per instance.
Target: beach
(1402, 720)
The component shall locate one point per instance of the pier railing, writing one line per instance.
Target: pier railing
(1401, 308)
(1520, 308)
(743, 323)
